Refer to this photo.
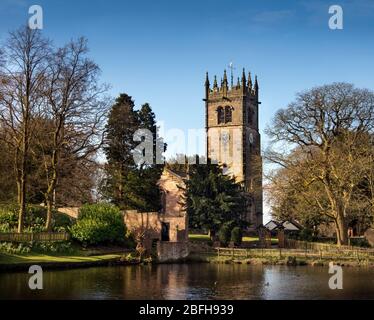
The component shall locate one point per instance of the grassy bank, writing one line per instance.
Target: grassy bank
(275, 259)
(21, 262)
(36, 258)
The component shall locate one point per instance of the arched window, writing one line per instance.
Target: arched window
(220, 115)
(228, 114)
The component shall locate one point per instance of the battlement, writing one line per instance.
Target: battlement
(243, 87)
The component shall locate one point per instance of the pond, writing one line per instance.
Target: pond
(191, 281)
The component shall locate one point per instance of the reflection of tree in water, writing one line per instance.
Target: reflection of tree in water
(190, 281)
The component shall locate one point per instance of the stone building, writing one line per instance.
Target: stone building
(165, 231)
(233, 138)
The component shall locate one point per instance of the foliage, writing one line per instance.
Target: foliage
(99, 224)
(306, 234)
(224, 235)
(213, 199)
(327, 132)
(15, 248)
(360, 242)
(41, 247)
(53, 247)
(127, 184)
(61, 115)
(34, 220)
(237, 236)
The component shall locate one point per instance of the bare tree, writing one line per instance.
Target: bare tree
(330, 127)
(76, 108)
(22, 77)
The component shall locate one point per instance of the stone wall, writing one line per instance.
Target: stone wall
(171, 251)
(152, 222)
(171, 184)
(149, 221)
(72, 212)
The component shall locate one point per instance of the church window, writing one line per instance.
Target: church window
(220, 115)
(228, 114)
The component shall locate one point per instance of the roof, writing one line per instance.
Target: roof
(272, 225)
(177, 175)
(287, 225)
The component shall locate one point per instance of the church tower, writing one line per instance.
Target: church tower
(233, 138)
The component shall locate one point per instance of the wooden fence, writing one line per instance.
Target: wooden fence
(39, 237)
(337, 253)
(317, 246)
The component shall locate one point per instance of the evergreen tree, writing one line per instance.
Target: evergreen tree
(213, 199)
(130, 185)
(141, 187)
(122, 124)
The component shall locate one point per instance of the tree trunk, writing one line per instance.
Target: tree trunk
(49, 195)
(22, 179)
(22, 204)
(212, 235)
(341, 229)
(48, 224)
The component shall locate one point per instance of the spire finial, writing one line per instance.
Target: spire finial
(256, 84)
(244, 85)
(224, 76)
(215, 84)
(225, 86)
(249, 81)
(207, 87)
(207, 84)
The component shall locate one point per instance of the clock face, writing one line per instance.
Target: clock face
(250, 138)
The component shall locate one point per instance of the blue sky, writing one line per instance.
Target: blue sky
(158, 51)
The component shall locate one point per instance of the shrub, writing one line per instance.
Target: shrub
(15, 248)
(42, 247)
(360, 242)
(224, 235)
(8, 218)
(53, 247)
(236, 236)
(35, 219)
(306, 234)
(99, 224)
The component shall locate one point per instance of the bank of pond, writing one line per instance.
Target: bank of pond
(106, 257)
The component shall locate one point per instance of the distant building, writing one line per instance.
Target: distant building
(288, 226)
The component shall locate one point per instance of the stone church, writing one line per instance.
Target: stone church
(233, 138)
(233, 141)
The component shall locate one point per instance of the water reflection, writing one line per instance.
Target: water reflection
(195, 281)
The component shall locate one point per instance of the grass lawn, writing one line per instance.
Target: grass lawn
(30, 258)
(205, 237)
(198, 237)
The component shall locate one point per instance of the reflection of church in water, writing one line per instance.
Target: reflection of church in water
(233, 138)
